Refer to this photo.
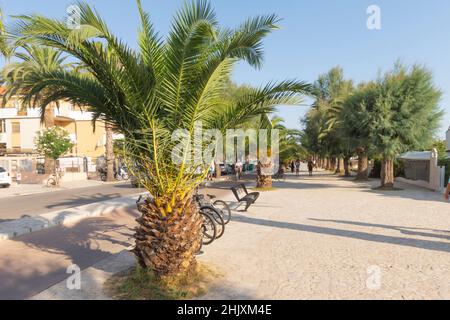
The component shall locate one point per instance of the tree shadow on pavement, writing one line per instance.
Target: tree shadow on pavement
(403, 230)
(401, 241)
(83, 200)
(83, 244)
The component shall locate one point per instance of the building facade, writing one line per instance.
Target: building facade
(19, 127)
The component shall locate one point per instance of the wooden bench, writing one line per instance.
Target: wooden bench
(242, 195)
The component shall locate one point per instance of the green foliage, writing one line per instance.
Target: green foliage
(31, 61)
(290, 146)
(323, 123)
(441, 147)
(4, 48)
(355, 117)
(53, 142)
(405, 114)
(164, 85)
(397, 113)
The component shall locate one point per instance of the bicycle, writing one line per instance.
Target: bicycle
(212, 212)
(209, 229)
(53, 180)
(219, 205)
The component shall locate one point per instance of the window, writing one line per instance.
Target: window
(2, 126)
(2, 170)
(16, 127)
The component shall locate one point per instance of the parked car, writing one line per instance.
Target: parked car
(5, 179)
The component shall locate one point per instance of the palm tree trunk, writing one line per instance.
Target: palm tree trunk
(340, 166)
(218, 170)
(263, 175)
(333, 164)
(327, 163)
(49, 122)
(363, 167)
(109, 150)
(166, 242)
(387, 173)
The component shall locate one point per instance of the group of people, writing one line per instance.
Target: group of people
(238, 169)
(295, 166)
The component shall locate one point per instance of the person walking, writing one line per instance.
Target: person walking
(310, 167)
(238, 169)
(297, 167)
(292, 166)
(211, 170)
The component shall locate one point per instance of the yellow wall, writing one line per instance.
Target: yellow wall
(88, 140)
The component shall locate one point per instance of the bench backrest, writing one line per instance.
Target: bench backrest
(239, 191)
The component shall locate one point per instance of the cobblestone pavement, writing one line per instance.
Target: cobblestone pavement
(332, 238)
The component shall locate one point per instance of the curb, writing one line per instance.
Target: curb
(12, 229)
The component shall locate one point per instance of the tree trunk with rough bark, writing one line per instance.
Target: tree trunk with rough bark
(168, 236)
(49, 122)
(218, 170)
(333, 164)
(363, 167)
(387, 173)
(109, 150)
(264, 174)
(340, 166)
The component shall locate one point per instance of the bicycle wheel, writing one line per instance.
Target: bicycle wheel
(208, 229)
(218, 220)
(224, 210)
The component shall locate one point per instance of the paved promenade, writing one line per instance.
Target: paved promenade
(320, 237)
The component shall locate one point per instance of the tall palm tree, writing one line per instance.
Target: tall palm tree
(33, 59)
(149, 94)
(4, 48)
(331, 91)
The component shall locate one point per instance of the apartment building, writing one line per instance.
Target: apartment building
(19, 126)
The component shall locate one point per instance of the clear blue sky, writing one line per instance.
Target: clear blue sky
(315, 36)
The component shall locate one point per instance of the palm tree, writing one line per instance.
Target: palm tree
(151, 93)
(4, 47)
(322, 124)
(33, 59)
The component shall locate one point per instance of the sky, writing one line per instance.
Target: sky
(315, 36)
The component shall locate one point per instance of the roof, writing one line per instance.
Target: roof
(416, 155)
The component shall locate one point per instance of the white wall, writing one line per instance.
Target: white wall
(28, 130)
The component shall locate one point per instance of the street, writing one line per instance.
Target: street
(31, 263)
(15, 207)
